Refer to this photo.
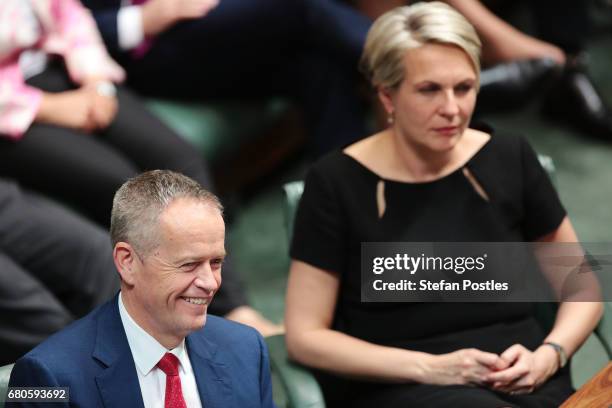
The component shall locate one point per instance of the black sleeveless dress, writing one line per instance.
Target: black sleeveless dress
(339, 211)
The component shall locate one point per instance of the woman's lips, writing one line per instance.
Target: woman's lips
(447, 130)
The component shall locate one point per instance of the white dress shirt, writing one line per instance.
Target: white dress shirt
(147, 352)
(130, 32)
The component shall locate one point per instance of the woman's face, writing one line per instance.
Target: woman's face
(434, 103)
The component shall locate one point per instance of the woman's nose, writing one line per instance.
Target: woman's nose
(450, 105)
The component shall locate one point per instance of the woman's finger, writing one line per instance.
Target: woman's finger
(508, 375)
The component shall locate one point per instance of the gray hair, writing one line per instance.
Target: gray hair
(139, 202)
(407, 27)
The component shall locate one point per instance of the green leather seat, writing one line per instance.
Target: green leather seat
(301, 390)
(294, 386)
(218, 129)
(241, 141)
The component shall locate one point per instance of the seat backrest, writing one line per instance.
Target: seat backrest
(5, 375)
(299, 385)
(293, 193)
(604, 329)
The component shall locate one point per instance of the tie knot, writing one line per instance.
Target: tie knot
(169, 364)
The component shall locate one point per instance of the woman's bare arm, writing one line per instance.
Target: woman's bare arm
(311, 301)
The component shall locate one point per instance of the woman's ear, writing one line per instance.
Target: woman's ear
(385, 97)
(126, 262)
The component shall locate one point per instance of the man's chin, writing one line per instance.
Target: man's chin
(199, 322)
(192, 326)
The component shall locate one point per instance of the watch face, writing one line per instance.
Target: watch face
(560, 353)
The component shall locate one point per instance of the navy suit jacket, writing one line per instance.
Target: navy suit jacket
(105, 14)
(92, 357)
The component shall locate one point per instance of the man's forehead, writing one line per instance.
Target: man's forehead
(193, 251)
(183, 212)
(191, 202)
(192, 245)
(191, 229)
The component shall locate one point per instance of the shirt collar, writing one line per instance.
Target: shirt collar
(147, 351)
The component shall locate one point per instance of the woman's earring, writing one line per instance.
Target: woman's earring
(390, 118)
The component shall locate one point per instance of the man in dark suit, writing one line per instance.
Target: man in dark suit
(154, 343)
(55, 266)
(307, 50)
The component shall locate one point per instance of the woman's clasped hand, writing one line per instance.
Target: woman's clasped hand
(86, 108)
(516, 370)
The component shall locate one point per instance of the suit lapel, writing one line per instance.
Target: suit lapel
(212, 376)
(118, 383)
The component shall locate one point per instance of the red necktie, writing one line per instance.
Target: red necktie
(169, 364)
(146, 44)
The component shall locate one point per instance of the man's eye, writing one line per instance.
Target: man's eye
(217, 262)
(190, 265)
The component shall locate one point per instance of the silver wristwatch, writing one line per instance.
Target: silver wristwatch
(560, 353)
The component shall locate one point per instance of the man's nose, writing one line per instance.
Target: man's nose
(206, 279)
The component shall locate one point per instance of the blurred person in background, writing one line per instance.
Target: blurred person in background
(55, 267)
(307, 50)
(66, 128)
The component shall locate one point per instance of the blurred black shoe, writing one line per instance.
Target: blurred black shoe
(511, 85)
(575, 100)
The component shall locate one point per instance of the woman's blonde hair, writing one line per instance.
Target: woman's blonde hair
(404, 28)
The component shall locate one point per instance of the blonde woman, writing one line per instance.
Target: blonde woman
(428, 177)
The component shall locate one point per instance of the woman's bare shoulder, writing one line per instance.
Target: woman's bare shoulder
(475, 139)
(364, 150)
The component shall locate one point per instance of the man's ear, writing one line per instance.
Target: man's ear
(386, 98)
(126, 261)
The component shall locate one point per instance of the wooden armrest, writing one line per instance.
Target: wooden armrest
(596, 393)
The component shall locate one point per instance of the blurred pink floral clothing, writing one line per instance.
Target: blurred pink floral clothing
(54, 27)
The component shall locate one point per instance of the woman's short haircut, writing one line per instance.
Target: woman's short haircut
(140, 201)
(404, 28)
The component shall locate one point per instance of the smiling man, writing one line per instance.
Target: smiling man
(154, 345)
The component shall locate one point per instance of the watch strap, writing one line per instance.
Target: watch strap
(561, 355)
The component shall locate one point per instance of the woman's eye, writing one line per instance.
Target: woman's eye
(428, 89)
(463, 88)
